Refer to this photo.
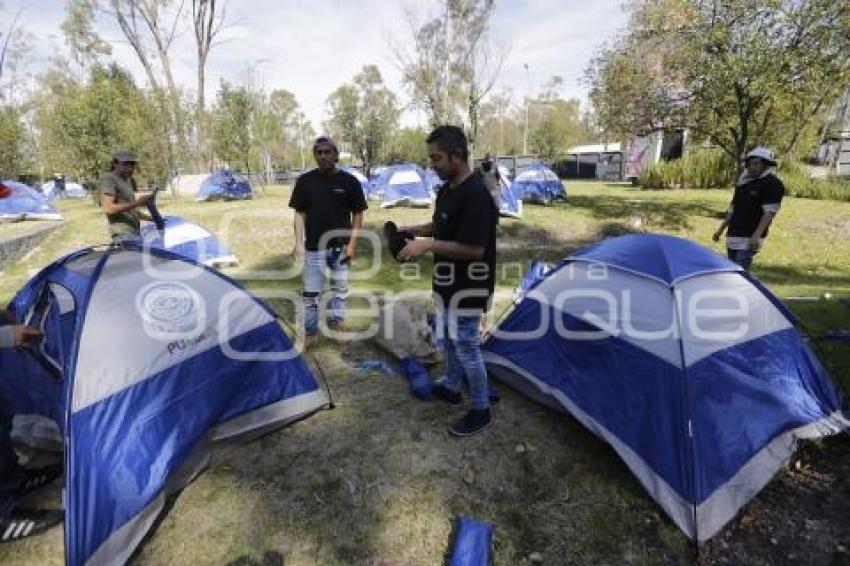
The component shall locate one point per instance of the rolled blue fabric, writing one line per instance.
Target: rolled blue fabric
(473, 544)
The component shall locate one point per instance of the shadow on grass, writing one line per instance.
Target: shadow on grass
(790, 275)
(669, 215)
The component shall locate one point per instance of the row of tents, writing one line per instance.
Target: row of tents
(138, 424)
(407, 184)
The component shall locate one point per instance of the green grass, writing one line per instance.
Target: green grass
(377, 480)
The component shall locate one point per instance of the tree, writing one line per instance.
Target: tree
(407, 144)
(452, 65)
(736, 73)
(232, 126)
(12, 133)
(81, 125)
(558, 128)
(150, 28)
(208, 21)
(363, 114)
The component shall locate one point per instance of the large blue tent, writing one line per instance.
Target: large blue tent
(686, 365)
(148, 364)
(365, 185)
(188, 240)
(72, 190)
(510, 203)
(538, 184)
(403, 184)
(223, 184)
(20, 202)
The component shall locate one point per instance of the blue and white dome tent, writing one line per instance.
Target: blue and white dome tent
(510, 204)
(24, 203)
(403, 184)
(149, 363)
(687, 366)
(189, 240)
(364, 182)
(224, 185)
(538, 184)
(72, 190)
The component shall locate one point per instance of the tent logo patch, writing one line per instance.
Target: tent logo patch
(171, 308)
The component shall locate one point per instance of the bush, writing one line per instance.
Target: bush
(713, 169)
(697, 169)
(798, 183)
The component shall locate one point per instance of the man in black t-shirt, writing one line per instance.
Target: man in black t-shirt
(329, 205)
(758, 196)
(462, 237)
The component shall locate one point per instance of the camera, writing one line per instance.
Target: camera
(487, 165)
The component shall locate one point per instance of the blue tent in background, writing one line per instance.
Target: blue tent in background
(223, 184)
(149, 362)
(24, 203)
(687, 366)
(403, 185)
(374, 175)
(539, 184)
(188, 240)
(364, 182)
(510, 204)
(72, 190)
(433, 181)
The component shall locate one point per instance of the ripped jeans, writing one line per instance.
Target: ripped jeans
(315, 266)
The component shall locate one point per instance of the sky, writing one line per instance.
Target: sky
(312, 48)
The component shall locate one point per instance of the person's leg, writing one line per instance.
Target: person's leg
(744, 258)
(448, 388)
(468, 351)
(314, 282)
(339, 288)
(9, 469)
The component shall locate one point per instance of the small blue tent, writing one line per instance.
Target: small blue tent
(223, 184)
(510, 204)
(72, 190)
(433, 181)
(188, 240)
(687, 366)
(538, 184)
(364, 182)
(403, 185)
(20, 202)
(148, 364)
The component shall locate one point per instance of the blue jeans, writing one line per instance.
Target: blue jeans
(315, 265)
(463, 356)
(744, 258)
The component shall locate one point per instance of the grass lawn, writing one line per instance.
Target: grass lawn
(377, 480)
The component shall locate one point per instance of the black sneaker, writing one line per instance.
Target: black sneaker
(472, 422)
(22, 523)
(34, 478)
(443, 393)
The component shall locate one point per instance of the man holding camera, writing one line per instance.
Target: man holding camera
(329, 205)
(462, 237)
(118, 197)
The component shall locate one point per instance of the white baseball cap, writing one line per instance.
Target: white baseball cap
(762, 153)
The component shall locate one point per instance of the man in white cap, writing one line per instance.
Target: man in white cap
(758, 196)
(329, 205)
(118, 197)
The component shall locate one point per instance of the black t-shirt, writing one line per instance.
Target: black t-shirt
(328, 200)
(748, 201)
(466, 214)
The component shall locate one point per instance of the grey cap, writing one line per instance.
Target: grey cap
(125, 155)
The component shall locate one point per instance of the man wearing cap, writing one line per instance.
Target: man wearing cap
(758, 196)
(118, 197)
(329, 205)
